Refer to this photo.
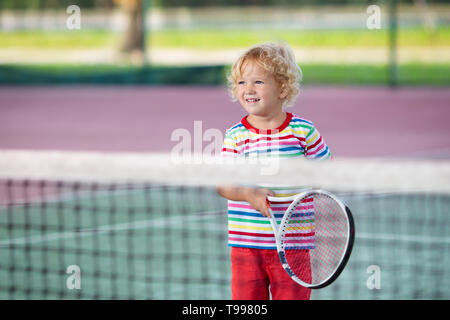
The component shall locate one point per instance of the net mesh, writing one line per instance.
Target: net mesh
(139, 226)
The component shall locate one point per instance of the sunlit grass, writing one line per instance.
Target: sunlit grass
(211, 39)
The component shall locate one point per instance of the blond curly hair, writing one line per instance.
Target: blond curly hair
(276, 58)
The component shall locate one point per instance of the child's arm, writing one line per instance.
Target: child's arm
(256, 197)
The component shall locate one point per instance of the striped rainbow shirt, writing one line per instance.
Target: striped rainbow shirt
(296, 137)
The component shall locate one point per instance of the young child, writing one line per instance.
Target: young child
(263, 80)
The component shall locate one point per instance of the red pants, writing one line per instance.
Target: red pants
(254, 271)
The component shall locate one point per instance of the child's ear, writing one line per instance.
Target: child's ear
(283, 92)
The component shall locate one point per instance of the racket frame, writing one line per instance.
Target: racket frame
(279, 234)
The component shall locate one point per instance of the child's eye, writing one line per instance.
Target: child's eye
(241, 83)
(259, 82)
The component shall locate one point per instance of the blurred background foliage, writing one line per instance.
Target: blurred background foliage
(119, 44)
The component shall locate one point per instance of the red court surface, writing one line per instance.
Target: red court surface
(355, 121)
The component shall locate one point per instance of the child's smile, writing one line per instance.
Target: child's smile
(252, 100)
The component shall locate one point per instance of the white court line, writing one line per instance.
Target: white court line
(156, 223)
(176, 221)
(399, 237)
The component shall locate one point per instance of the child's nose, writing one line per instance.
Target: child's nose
(250, 88)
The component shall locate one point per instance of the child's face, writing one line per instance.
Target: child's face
(258, 91)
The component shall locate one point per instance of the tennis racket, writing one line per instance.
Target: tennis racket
(315, 237)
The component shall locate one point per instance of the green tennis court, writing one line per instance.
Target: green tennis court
(156, 242)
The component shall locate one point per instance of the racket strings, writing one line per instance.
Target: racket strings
(318, 233)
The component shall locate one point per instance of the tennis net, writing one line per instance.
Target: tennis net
(148, 226)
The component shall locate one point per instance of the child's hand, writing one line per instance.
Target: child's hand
(258, 199)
